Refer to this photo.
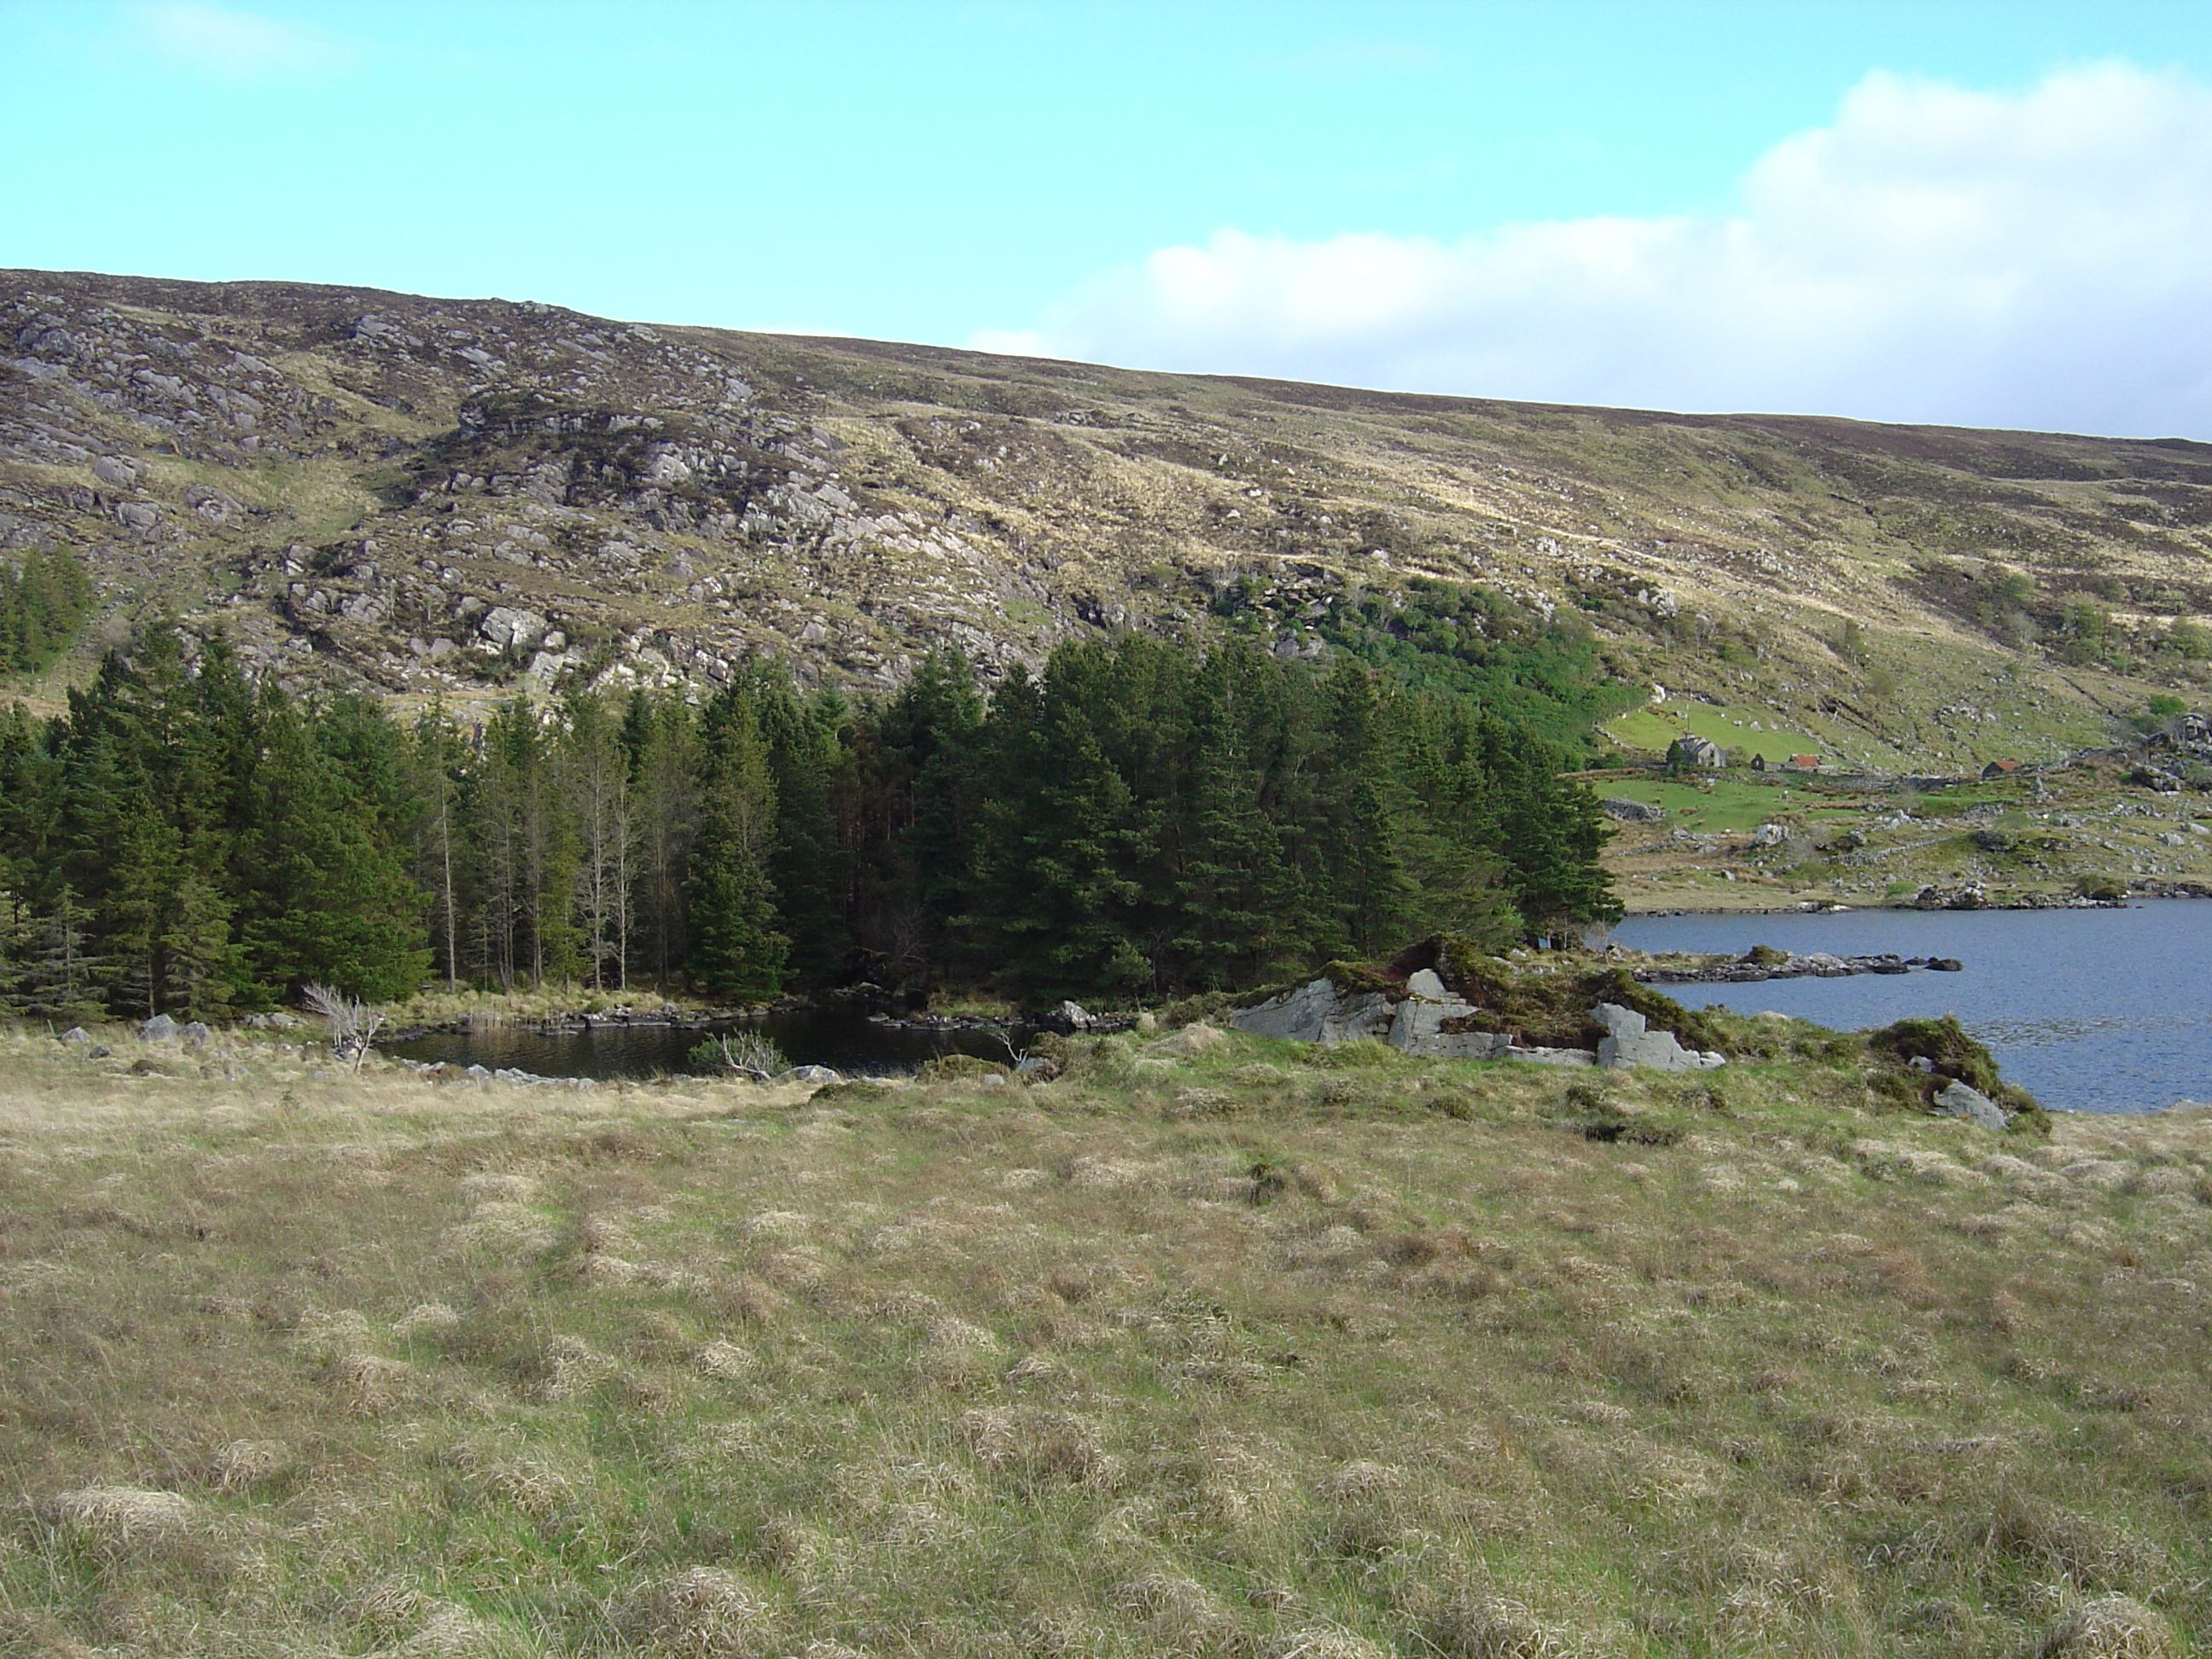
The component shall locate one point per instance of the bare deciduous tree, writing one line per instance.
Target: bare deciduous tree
(354, 1023)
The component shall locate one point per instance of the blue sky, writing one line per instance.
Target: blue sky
(1579, 202)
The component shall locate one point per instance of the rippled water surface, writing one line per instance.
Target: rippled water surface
(2100, 1011)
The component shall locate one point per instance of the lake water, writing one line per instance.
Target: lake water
(2098, 1011)
(838, 1038)
(2094, 1011)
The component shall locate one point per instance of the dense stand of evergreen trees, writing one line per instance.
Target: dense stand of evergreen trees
(1142, 817)
(42, 604)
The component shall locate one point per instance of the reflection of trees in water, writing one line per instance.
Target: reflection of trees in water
(841, 1038)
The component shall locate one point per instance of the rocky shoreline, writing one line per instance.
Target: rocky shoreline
(1967, 896)
(1759, 964)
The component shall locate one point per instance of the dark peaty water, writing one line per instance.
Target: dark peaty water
(2094, 1011)
(814, 1037)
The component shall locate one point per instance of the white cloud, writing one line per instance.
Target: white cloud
(2040, 259)
(234, 43)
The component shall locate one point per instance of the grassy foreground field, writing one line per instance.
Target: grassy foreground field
(1211, 1345)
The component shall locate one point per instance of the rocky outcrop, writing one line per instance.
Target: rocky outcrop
(1973, 896)
(1629, 1040)
(1431, 1022)
(1625, 811)
(1319, 1012)
(1753, 967)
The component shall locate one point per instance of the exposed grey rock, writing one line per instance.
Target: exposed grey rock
(1769, 835)
(1628, 1041)
(1318, 1012)
(192, 1034)
(114, 470)
(77, 1034)
(1074, 1015)
(810, 1074)
(216, 506)
(505, 627)
(1472, 1045)
(1630, 811)
(1961, 1100)
(1550, 1056)
(159, 1029)
(1416, 1024)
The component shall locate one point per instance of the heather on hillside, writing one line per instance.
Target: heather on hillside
(1140, 818)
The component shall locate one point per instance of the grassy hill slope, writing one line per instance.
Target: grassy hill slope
(1212, 1346)
(461, 497)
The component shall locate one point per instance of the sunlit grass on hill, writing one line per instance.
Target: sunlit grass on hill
(1211, 1344)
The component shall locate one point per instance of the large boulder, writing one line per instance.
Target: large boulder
(506, 627)
(1628, 1041)
(1630, 811)
(1417, 1023)
(1427, 1006)
(160, 1029)
(1318, 1012)
(1548, 1056)
(1961, 1100)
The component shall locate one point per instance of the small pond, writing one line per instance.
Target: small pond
(839, 1037)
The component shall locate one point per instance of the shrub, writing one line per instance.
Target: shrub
(1590, 1112)
(962, 1068)
(1950, 1054)
(740, 1054)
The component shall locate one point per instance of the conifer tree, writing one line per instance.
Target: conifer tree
(57, 976)
(918, 891)
(1236, 890)
(201, 964)
(808, 865)
(1055, 847)
(736, 953)
(598, 772)
(660, 738)
(1361, 874)
(144, 882)
(334, 904)
(435, 765)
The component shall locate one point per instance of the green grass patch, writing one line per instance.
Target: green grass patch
(1650, 729)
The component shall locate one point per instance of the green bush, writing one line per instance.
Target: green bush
(1590, 1112)
(1950, 1054)
(962, 1068)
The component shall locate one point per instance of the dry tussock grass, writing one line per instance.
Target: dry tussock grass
(1197, 1349)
